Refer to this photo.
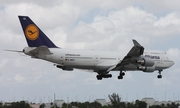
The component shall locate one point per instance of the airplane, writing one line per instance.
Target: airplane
(100, 62)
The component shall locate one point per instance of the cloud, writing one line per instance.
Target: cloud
(174, 53)
(19, 78)
(163, 81)
(115, 30)
(66, 76)
(3, 62)
(170, 19)
(111, 26)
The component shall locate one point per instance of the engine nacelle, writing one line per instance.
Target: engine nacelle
(65, 68)
(147, 69)
(146, 62)
(27, 50)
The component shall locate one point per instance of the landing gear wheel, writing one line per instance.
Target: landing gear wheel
(109, 75)
(99, 77)
(159, 76)
(120, 77)
(122, 73)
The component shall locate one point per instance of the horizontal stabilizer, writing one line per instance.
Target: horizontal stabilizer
(14, 51)
(41, 50)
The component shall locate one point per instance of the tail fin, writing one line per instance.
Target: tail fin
(34, 36)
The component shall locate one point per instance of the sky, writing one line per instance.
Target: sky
(108, 25)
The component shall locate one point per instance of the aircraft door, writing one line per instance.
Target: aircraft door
(61, 58)
(162, 59)
(96, 59)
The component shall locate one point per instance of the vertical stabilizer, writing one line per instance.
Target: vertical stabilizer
(34, 36)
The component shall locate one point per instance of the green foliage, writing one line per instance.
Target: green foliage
(172, 105)
(1, 105)
(137, 104)
(21, 104)
(115, 100)
(140, 104)
(156, 106)
(42, 105)
(55, 106)
(130, 105)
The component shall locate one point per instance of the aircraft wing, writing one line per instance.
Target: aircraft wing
(136, 51)
(34, 52)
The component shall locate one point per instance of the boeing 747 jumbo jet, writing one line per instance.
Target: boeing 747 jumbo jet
(41, 47)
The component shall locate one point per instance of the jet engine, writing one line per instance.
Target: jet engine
(146, 61)
(146, 69)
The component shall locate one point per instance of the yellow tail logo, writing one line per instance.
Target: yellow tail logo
(32, 32)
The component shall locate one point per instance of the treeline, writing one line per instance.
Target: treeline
(21, 104)
(137, 104)
(172, 105)
(115, 102)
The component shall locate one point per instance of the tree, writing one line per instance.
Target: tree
(173, 105)
(42, 105)
(21, 104)
(1, 105)
(130, 105)
(95, 105)
(140, 104)
(82, 105)
(115, 100)
(64, 105)
(155, 106)
(51, 103)
(75, 104)
(55, 106)
(105, 107)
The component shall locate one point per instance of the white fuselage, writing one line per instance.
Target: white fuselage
(99, 60)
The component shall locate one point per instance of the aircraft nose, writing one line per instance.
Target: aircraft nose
(172, 63)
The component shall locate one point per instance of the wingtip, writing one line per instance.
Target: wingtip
(135, 42)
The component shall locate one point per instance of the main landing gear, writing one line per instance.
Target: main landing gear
(159, 76)
(121, 74)
(100, 76)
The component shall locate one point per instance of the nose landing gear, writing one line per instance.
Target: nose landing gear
(159, 76)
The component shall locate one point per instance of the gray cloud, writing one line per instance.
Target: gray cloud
(21, 76)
